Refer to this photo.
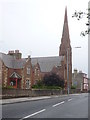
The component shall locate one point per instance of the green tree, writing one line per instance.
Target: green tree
(53, 80)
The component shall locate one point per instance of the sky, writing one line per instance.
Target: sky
(35, 28)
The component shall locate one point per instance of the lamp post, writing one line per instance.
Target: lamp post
(68, 60)
(67, 71)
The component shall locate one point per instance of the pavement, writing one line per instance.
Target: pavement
(25, 99)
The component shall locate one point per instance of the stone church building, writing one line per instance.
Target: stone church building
(22, 73)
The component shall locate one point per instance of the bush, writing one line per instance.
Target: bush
(73, 87)
(52, 87)
(53, 80)
(50, 81)
(8, 87)
(37, 86)
(45, 87)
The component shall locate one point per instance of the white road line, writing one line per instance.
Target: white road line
(58, 104)
(69, 99)
(33, 114)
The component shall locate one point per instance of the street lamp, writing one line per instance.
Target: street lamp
(67, 71)
(68, 59)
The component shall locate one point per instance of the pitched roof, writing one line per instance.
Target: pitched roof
(47, 63)
(15, 75)
(12, 62)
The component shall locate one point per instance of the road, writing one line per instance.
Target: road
(72, 106)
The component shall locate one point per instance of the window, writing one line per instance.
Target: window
(13, 83)
(28, 70)
(35, 71)
(27, 84)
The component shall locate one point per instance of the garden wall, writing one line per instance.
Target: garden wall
(11, 93)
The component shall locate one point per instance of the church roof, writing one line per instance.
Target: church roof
(47, 63)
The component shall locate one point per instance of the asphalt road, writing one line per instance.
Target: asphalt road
(72, 106)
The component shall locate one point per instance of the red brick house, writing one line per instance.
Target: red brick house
(16, 71)
(22, 73)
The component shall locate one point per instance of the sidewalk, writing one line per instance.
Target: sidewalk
(25, 99)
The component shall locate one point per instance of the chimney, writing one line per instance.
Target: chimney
(16, 51)
(16, 54)
(11, 52)
(75, 72)
(29, 57)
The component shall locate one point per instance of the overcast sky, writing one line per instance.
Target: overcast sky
(35, 28)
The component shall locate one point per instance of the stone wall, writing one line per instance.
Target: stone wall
(12, 93)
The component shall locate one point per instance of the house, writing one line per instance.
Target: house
(80, 80)
(16, 71)
(22, 73)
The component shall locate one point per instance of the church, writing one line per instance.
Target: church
(22, 73)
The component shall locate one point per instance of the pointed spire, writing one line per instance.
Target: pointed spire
(65, 18)
(65, 41)
(65, 27)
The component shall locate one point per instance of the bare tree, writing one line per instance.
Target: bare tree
(79, 15)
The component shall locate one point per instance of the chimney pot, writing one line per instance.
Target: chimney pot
(16, 51)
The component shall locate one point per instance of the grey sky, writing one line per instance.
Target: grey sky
(35, 27)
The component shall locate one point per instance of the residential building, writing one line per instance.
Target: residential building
(80, 80)
(16, 71)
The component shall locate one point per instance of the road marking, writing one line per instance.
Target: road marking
(69, 99)
(33, 114)
(58, 104)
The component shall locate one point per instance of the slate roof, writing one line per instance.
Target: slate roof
(12, 62)
(47, 63)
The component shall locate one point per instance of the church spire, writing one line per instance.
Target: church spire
(65, 49)
(65, 18)
(65, 41)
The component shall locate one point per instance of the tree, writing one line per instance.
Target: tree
(79, 15)
(53, 80)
